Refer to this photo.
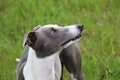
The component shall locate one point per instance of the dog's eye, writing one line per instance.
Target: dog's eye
(53, 31)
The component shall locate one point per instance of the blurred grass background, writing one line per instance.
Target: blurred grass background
(100, 44)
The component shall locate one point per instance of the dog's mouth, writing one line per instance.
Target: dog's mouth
(72, 39)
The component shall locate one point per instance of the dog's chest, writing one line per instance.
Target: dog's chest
(39, 69)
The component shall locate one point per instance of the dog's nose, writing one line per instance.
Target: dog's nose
(80, 27)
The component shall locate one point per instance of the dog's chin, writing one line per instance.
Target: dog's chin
(71, 41)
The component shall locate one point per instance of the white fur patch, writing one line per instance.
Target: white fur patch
(72, 76)
(17, 59)
(73, 30)
(39, 68)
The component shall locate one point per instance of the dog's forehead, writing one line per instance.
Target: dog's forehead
(47, 27)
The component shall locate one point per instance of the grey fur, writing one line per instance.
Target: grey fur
(22, 63)
(71, 58)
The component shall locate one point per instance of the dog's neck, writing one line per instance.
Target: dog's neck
(40, 68)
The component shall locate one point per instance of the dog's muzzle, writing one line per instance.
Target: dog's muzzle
(81, 28)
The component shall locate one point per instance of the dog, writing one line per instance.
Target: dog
(47, 50)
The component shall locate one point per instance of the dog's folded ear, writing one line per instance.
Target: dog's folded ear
(36, 28)
(30, 39)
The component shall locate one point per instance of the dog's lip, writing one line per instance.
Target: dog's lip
(72, 39)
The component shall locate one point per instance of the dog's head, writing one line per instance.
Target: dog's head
(49, 39)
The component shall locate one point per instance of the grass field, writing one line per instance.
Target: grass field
(100, 44)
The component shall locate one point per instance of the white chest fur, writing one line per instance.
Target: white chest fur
(39, 68)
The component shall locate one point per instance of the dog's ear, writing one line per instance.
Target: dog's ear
(36, 28)
(30, 39)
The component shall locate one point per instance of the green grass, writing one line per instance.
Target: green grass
(100, 44)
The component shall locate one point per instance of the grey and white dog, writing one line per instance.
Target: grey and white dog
(47, 50)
